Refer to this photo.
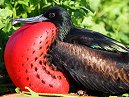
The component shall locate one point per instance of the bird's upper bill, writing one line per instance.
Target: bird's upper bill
(39, 18)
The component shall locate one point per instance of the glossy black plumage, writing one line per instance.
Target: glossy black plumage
(93, 60)
(94, 40)
(95, 69)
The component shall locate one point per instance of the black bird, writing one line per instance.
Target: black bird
(93, 60)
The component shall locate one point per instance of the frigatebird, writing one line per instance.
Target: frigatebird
(95, 61)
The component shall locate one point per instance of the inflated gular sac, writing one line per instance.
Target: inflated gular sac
(26, 59)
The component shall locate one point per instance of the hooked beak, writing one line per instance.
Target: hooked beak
(39, 18)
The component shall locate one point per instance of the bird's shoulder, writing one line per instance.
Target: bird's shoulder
(94, 40)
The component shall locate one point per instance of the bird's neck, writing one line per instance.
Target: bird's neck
(64, 29)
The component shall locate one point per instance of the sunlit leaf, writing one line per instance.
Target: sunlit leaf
(125, 95)
(33, 94)
(4, 13)
(17, 90)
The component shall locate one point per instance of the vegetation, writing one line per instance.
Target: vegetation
(109, 17)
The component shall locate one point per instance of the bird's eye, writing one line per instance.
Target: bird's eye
(51, 15)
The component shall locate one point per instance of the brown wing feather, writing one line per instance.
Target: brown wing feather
(94, 69)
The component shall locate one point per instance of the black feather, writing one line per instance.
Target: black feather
(94, 40)
(91, 67)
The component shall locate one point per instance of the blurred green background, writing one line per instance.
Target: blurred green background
(109, 17)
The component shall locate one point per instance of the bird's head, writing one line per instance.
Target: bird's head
(57, 15)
